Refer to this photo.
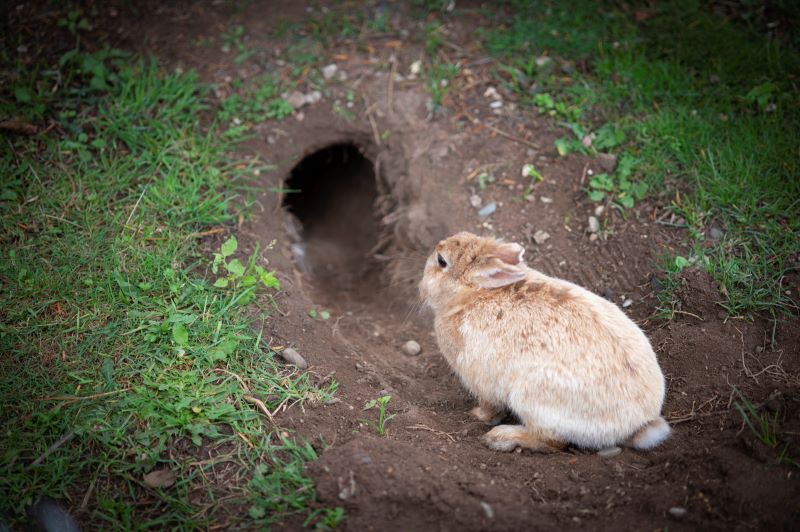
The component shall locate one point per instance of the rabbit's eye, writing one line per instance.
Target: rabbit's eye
(441, 261)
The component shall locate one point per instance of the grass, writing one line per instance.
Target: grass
(703, 109)
(765, 427)
(133, 383)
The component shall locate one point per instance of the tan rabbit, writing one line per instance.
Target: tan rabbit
(571, 365)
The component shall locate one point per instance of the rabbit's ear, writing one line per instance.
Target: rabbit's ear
(497, 273)
(510, 253)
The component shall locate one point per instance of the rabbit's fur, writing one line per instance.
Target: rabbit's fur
(571, 365)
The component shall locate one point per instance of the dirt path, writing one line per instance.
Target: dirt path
(361, 264)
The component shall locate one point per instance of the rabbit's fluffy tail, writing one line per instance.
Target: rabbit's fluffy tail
(651, 435)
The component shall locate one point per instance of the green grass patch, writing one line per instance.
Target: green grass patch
(131, 370)
(703, 108)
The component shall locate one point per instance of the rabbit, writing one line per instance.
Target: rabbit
(572, 366)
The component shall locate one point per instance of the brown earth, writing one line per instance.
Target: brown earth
(364, 244)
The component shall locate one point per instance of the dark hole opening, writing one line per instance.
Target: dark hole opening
(333, 204)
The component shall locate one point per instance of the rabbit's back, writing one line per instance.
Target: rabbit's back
(562, 359)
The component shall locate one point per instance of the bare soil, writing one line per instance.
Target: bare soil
(366, 226)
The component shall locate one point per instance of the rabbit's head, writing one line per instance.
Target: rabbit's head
(466, 263)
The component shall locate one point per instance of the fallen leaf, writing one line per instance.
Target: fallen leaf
(394, 44)
(160, 478)
(18, 126)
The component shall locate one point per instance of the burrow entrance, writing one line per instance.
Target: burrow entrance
(331, 203)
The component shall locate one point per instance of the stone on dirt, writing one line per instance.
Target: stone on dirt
(475, 201)
(293, 357)
(677, 512)
(488, 209)
(594, 224)
(540, 237)
(627, 303)
(329, 71)
(411, 348)
(607, 162)
(609, 452)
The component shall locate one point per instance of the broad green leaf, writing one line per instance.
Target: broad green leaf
(180, 334)
(681, 262)
(235, 268)
(562, 146)
(22, 94)
(269, 279)
(229, 247)
(312, 313)
(222, 282)
(325, 315)
(626, 201)
(596, 195)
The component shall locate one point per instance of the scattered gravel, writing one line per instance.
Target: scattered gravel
(487, 209)
(411, 348)
(475, 201)
(297, 99)
(293, 357)
(594, 224)
(540, 237)
(610, 452)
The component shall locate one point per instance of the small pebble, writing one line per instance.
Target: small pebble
(599, 210)
(487, 510)
(545, 199)
(540, 237)
(492, 93)
(607, 162)
(497, 104)
(610, 452)
(411, 348)
(475, 201)
(594, 224)
(293, 357)
(677, 512)
(329, 71)
(296, 99)
(313, 97)
(487, 209)
(715, 233)
(592, 237)
(627, 303)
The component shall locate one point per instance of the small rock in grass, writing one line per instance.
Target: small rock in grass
(607, 162)
(627, 303)
(296, 99)
(599, 210)
(715, 233)
(594, 224)
(492, 93)
(488, 209)
(329, 71)
(677, 512)
(609, 452)
(293, 357)
(540, 237)
(475, 201)
(313, 97)
(411, 348)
